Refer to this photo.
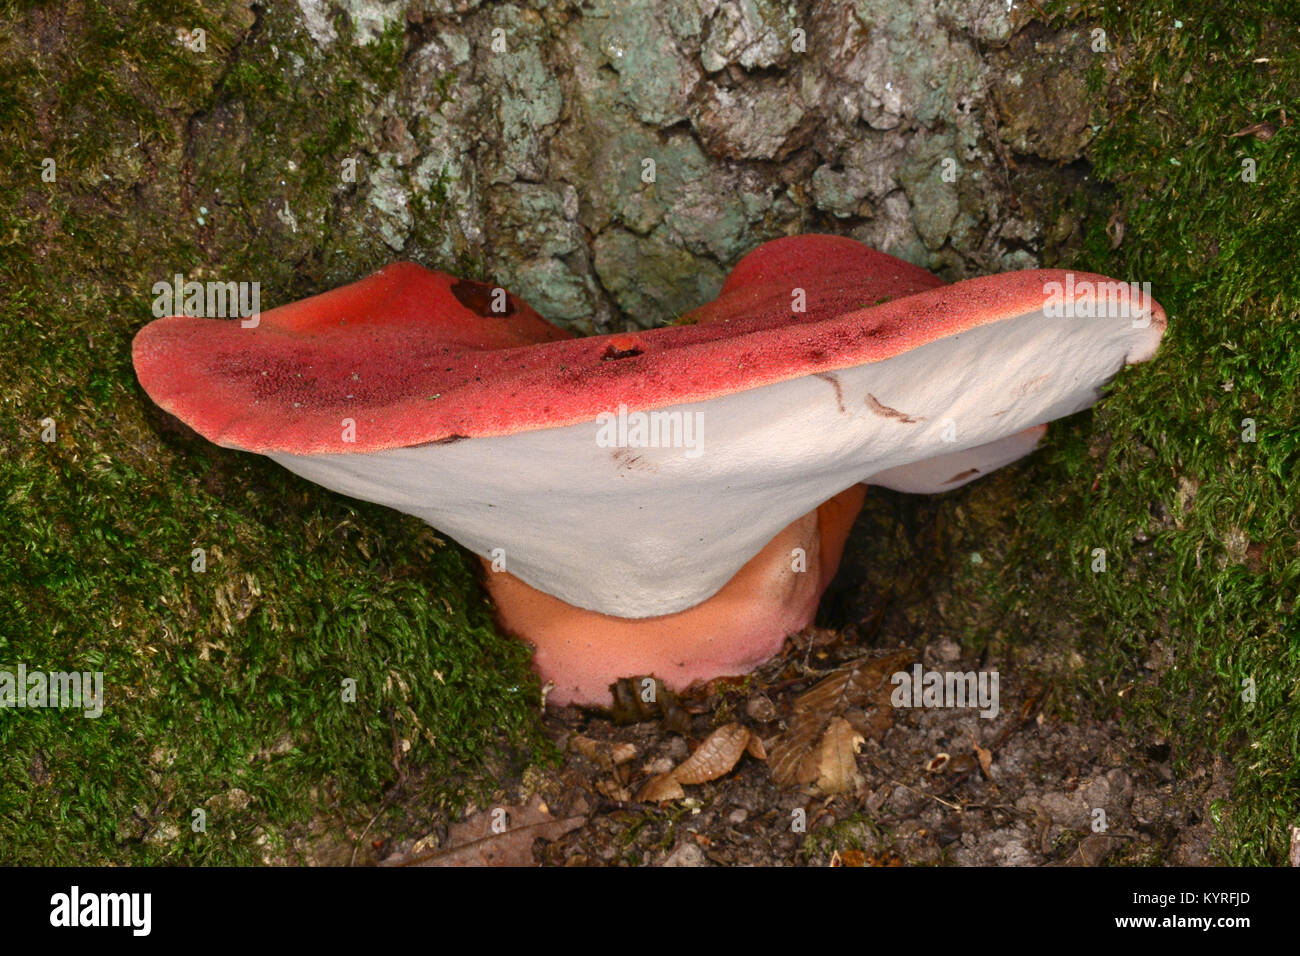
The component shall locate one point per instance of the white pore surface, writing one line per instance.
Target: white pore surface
(946, 472)
(641, 531)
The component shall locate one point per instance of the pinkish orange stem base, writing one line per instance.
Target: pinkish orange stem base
(582, 652)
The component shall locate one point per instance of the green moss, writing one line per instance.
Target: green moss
(1199, 525)
(302, 590)
(233, 677)
(855, 832)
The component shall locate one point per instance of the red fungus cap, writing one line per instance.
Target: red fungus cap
(415, 356)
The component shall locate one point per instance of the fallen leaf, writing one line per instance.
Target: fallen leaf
(621, 753)
(501, 836)
(605, 755)
(795, 757)
(712, 759)
(586, 747)
(985, 757)
(716, 756)
(1263, 131)
(1115, 228)
(1093, 850)
(613, 790)
(837, 759)
(661, 787)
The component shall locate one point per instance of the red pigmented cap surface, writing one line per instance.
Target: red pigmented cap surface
(413, 356)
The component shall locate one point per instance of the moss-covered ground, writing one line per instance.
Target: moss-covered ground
(1189, 474)
(225, 688)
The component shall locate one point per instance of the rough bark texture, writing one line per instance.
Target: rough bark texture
(608, 161)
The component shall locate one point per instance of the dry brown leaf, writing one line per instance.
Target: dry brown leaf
(1115, 229)
(605, 755)
(1263, 131)
(716, 756)
(848, 858)
(586, 747)
(985, 757)
(613, 790)
(661, 787)
(795, 757)
(837, 759)
(621, 753)
(494, 838)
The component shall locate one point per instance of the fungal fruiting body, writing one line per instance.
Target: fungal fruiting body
(670, 502)
(775, 594)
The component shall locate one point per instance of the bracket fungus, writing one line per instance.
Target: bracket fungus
(669, 502)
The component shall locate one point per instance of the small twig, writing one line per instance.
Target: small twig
(921, 793)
